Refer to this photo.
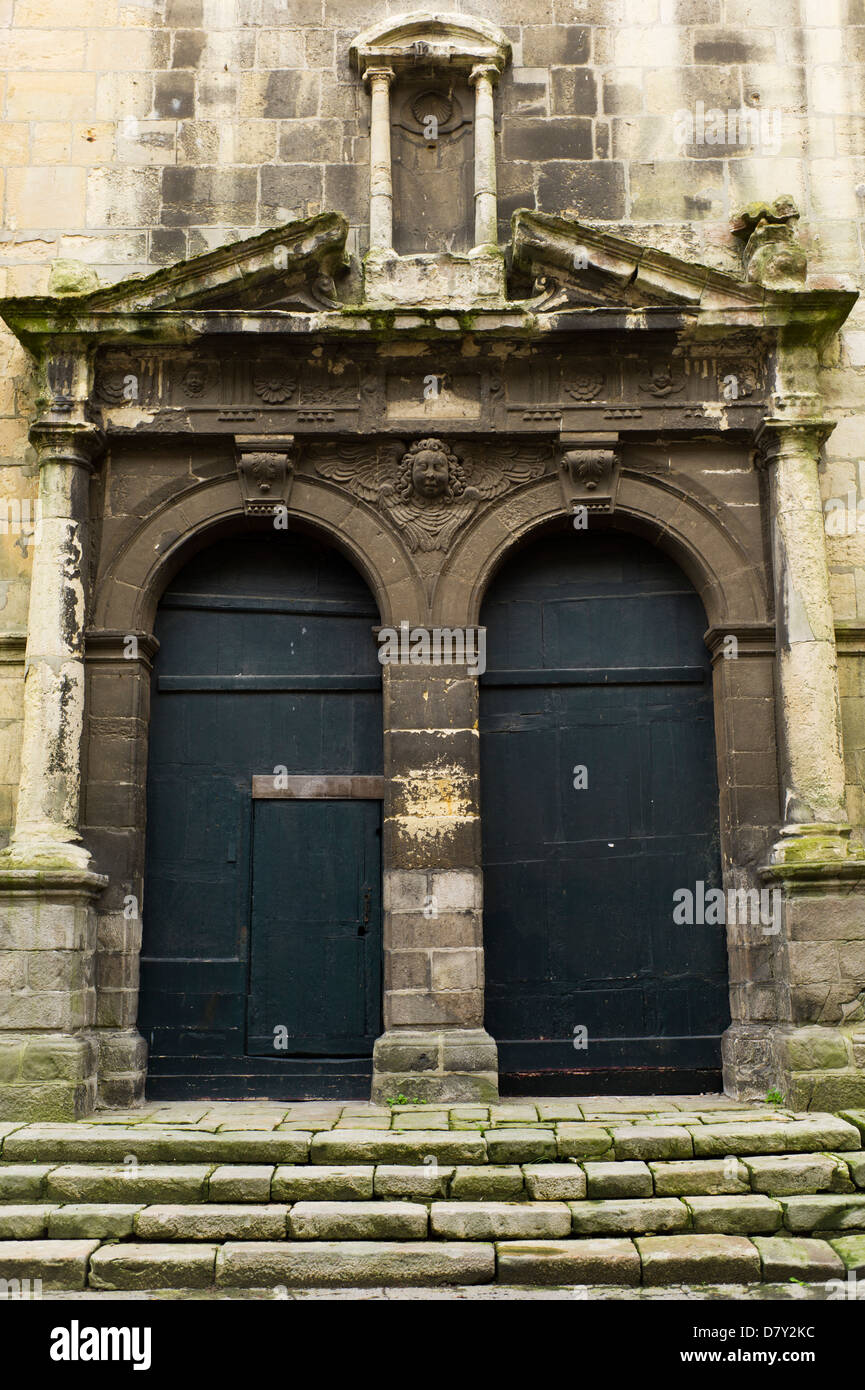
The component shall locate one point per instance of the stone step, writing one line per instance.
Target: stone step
(356, 1142)
(654, 1260)
(746, 1214)
(776, 1176)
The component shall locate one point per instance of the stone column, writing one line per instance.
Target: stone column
(47, 922)
(809, 709)
(483, 78)
(46, 823)
(808, 1038)
(434, 1045)
(380, 173)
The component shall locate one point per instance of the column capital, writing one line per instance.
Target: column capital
(379, 72)
(778, 438)
(76, 442)
(490, 71)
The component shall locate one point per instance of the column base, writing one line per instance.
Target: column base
(122, 1068)
(450, 1065)
(812, 1067)
(47, 1076)
(815, 842)
(48, 1051)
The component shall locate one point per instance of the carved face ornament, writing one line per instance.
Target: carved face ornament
(429, 472)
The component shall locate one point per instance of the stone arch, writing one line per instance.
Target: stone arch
(703, 541)
(129, 590)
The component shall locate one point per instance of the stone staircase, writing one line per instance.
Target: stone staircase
(648, 1191)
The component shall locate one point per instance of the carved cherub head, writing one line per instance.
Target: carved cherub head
(430, 471)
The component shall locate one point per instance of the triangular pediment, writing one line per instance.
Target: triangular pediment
(574, 265)
(287, 267)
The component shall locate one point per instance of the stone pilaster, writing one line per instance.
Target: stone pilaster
(434, 1044)
(47, 890)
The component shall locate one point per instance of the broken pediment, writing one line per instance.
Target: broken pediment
(289, 267)
(572, 265)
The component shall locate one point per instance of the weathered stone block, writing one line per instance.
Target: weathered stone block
(652, 1141)
(380, 1220)
(93, 1182)
(698, 1259)
(92, 1221)
(787, 1175)
(372, 1146)
(514, 1145)
(824, 1212)
(355, 1264)
(499, 1220)
(568, 1262)
(138, 1266)
(212, 1222)
(700, 1175)
(22, 1182)
(795, 1136)
(851, 1250)
(739, 1215)
(407, 1180)
(59, 1264)
(28, 1222)
(582, 1141)
(622, 1179)
(485, 1181)
(787, 1257)
(629, 1216)
(550, 1182)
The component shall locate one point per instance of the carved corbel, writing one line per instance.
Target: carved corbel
(265, 468)
(589, 471)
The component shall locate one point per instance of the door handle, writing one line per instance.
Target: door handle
(364, 921)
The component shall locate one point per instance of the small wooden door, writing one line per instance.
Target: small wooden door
(595, 661)
(315, 972)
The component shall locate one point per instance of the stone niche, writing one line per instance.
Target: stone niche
(433, 165)
(433, 204)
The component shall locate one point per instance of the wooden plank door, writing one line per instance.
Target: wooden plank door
(315, 971)
(596, 661)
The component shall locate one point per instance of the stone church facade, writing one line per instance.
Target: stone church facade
(428, 293)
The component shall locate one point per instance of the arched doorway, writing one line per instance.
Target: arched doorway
(599, 800)
(261, 958)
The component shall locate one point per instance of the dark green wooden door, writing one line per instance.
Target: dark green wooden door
(267, 662)
(595, 661)
(315, 977)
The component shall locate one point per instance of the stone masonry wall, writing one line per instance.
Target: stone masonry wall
(136, 132)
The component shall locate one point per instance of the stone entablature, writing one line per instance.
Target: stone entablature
(437, 386)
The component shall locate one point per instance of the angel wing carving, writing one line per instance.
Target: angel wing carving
(356, 467)
(492, 469)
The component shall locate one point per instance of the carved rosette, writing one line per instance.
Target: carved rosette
(265, 468)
